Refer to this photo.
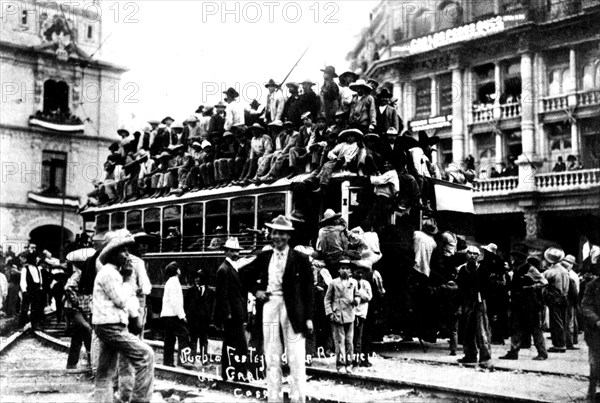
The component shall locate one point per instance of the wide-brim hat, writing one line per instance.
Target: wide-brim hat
(340, 112)
(256, 126)
(292, 84)
(177, 125)
(407, 142)
(144, 237)
(254, 104)
(360, 84)
(193, 118)
(344, 134)
(153, 121)
(305, 115)
(199, 109)
(473, 249)
(231, 92)
(346, 263)
(165, 154)
(164, 121)
(176, 147)
(309, 82)
(206, 143)
(80, 255)
(287, 123)
(113, 245)
(195, 144)
(329, 215)
(430, 226)
(123, 131)
(425, 140)
(373, 135)
(276, 123)
(281, 223)
(349, 73)
(220, 105)
(492, 248)
(271, 83)
(554, 255)
(227, 134)
(384, 93)
(330, 70)
(373, 83)
(232, 244)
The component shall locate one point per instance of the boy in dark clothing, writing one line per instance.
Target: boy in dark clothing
(199, 303)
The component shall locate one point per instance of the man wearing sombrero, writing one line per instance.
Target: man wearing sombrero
(231, 313)
(275, 102)
(282, 281)
(113, 303)
(387, 115)
(556, 297)
(234, 112)
(330, 95)
(291, 111)
(343, 156)
(260, 145)
(309, 101)
(363, 113)
(526, 305)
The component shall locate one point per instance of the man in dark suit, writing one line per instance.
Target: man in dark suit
(282, 281)
(199, 303)
(387, 116)
(231, 313)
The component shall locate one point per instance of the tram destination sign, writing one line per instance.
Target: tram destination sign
(436, 122)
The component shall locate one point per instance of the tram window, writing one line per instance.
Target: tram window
(101, 223)
(152, 226)
(192, 227)
(242, 219)
(216, 223)
(172, 229)
(134, 220)
(117, 220)
(269, 207)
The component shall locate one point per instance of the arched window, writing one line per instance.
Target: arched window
(591, 76)
(56, 97)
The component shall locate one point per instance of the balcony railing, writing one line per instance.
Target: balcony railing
(588, 98)
(555, 103)
(589, 3)
(548, 182)
(512, 110)
(496, 185)
(569, 180)
(483, 113)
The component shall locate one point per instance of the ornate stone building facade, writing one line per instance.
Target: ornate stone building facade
(59, 114)
(507, 82)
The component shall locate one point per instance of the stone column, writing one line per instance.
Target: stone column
(528, 161)
(498, 88)
(572, 101)
(527, 96)
(399, 94)
(458, 99)
(435, 106)
(499, 145)
(410, 102)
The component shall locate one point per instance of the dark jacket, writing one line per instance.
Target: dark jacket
(397, 156)
(291, 111)
(231, 299)
(298, 290)
(309, 102)
(590, 310)
(199, 307)
(389, 118)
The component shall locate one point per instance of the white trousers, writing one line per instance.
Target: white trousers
(275, 318)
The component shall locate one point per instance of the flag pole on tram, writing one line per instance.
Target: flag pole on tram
(294, 66)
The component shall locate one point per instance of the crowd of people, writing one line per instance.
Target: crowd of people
(326, 297)
(352, 125)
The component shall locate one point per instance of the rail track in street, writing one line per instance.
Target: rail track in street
(40, 372)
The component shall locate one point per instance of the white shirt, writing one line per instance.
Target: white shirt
(234, 115)
(173, 299)
(276, 269)
(424, 245)
(36, 275)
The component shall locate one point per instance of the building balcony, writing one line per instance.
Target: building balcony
(489, 113)
(568, 181)
(61, 122)
(583, 104)
(555, 103)
(496, 186)
(588, 98)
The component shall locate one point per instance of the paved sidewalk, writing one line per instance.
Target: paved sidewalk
(572, 363)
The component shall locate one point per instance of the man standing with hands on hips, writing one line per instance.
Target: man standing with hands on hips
(282, 281)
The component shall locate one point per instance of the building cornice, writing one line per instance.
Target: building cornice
(63, 136)
(74, 61)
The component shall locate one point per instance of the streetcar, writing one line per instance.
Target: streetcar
(191, 229)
